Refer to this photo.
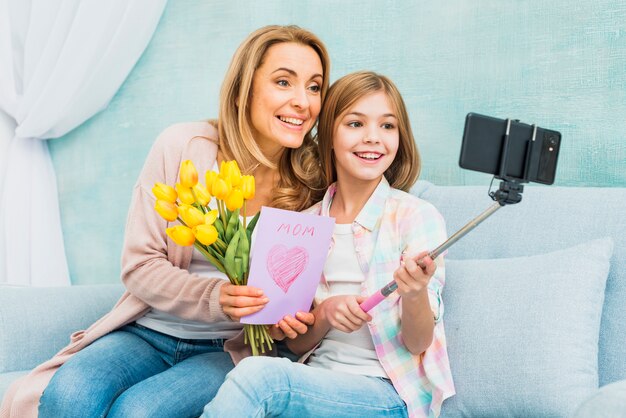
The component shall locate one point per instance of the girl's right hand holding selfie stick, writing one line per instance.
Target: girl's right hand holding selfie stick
(369, 303)
(391, 287)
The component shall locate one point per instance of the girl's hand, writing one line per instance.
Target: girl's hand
(238, 301)
(412, 278)
(291, 327)
(344, 313)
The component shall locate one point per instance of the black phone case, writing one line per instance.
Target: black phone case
(483, 140)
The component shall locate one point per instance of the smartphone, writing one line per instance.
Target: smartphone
(531, 154)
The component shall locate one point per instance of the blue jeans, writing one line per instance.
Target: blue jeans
(137, 372)
(276, 387)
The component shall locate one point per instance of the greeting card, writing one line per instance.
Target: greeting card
(288, 254)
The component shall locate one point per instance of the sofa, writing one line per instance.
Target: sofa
(535, 305)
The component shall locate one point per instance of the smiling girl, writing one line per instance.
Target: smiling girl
(393, 363)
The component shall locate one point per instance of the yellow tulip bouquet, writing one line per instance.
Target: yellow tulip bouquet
(218, 233)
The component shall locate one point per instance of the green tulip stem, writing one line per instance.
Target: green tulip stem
(222, 212)
(244, 214)
(249, 331)
(258, 337)
(209, 256)
(221, 244)
(195, 198)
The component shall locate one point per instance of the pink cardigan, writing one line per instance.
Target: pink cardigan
(153, 266)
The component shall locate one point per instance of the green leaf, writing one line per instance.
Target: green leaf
(239, 266)
(217, 254)
(219, 264)
(244, 244)
(229, 258)
(253, 222)
(220, 229)
(233, 223)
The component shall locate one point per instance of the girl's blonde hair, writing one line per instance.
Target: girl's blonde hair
(405, 168)
(298, 168)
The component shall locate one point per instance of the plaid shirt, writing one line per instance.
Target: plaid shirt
(393, 222)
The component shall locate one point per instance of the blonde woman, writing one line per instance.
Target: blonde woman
(167, 345)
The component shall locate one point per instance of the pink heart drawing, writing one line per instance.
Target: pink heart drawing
(285, 265)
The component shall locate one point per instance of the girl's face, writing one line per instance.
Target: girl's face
(286, 96)
(366, 140)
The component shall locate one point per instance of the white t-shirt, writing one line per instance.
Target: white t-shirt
(346, 352)
(182, 328)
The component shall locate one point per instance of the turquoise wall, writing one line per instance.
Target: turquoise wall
(559, 64)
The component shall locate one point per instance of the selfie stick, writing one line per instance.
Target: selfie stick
(510, 192)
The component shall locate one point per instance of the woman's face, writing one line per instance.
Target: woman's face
(286, 96)
(366, 140)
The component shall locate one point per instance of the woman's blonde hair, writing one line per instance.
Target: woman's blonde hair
(298, 168)
(405, 168)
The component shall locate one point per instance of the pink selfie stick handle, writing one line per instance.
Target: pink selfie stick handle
(372, 301)
(390, 287)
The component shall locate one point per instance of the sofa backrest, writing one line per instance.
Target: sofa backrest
(547, 219)
(35, 322)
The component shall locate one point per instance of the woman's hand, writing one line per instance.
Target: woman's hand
(238, 301)
(413, 275)
(291, 327)
(344, 313)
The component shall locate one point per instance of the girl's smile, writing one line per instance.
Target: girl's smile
(369, 156)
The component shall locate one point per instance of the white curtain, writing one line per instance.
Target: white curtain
(61, 61)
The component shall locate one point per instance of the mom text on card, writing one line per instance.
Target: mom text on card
(297, 229)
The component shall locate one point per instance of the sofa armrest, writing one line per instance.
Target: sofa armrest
(608, 401)
(36, 322)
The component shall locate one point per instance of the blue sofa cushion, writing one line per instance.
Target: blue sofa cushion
(523, 332)
(547, 219)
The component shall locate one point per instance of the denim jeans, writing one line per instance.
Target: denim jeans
(276, 387)
(137, 372)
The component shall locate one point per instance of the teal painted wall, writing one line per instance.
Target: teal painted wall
(559, 64)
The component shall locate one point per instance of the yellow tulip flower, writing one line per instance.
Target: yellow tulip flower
(209, 179)
(184, 194)
(188, 174)
(181, 235)
(210, 216)
(234, 174)
(224, 169)
(234, 200)
(247, 187)
(167, 210)
(191, 215)
(206, 234)
(164, 192)
(202, 194)
(229, 171)
(235, 166)
(221, 189)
